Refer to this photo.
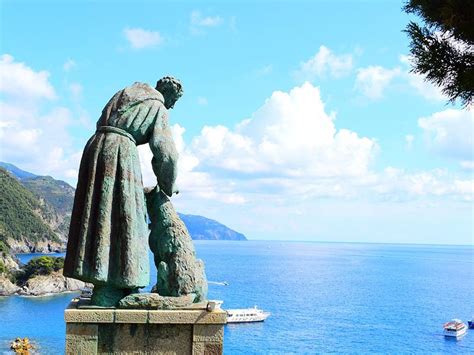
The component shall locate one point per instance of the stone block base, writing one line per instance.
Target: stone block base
(126, 331)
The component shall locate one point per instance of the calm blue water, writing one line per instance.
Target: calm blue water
(324, 297)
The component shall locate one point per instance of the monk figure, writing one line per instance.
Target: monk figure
(108, 235)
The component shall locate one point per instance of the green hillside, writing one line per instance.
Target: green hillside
(22, 215)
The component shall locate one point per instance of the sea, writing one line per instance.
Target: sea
(323, 297)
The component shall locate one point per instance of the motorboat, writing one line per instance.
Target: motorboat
(455, 328)
(246, 315)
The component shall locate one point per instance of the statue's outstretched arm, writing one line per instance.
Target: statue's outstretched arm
(165, 156)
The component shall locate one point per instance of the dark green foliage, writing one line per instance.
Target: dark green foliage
(4, 249)
(3, 268)
(443, 49)
(41, 265)
(22, 215)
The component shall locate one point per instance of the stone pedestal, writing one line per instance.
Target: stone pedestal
(126, 331)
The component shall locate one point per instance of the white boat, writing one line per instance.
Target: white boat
(246, 315)
(455, 328)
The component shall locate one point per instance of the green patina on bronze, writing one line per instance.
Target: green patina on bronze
(108, 235)
(179, 271)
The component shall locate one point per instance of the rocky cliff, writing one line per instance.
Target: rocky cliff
(28, 223)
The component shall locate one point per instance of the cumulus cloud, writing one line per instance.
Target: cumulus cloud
(31, 136)
(290, 135)
(19, 80)
(324, 63)
(139, 38)
(450, 133)
(373, 80)
(191, 181)
(398, 184)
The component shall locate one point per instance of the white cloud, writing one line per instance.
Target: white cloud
(20, 81)
(197, 19)
(35, 138)
(191, 182)
(290, 135)
(140, 38)
(69, 65)
(373, 80)
(450, 133)
(467, 164)
(325, 62)
(398, 184)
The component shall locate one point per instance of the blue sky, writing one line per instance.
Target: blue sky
(300, 119)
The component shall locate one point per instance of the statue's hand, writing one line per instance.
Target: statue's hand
(150, 189)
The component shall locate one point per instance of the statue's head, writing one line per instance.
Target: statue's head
(171, 89)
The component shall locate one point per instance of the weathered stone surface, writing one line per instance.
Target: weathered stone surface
(127, 331)
(80, 311)
(155, 301)
(7, 288)
(198, 348)
(132, 316)
(49, 284)
(179, 271)
(89, 315)
(81, 339)
(187, 316)
(213, 349)
(208, 333)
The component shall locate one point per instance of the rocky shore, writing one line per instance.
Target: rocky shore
(40, 285)
(36, 285)
(43, 246)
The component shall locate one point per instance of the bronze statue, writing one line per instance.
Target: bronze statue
(108, 235)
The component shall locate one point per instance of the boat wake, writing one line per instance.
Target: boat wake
(220, 283)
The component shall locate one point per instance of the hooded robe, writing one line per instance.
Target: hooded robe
(108, 235)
